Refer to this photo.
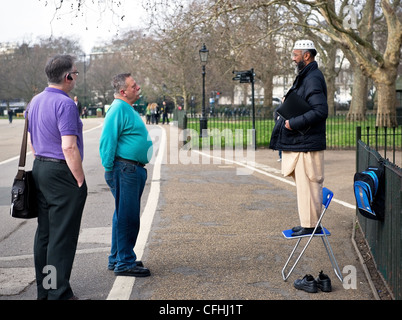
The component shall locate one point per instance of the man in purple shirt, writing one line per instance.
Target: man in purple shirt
(55, 131)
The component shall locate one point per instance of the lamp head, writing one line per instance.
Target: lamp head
(204, 54)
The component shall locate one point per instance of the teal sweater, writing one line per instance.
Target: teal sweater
(124, 135)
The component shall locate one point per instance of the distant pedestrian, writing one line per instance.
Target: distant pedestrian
(154, 114)
(56, 141)
(78, 104)
(165, 116)
(84, 113)
(125, 149)
(10, 115)
(148, 114)
(157, 113)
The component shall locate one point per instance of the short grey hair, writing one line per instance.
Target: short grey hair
(119, 82)
(57, 67)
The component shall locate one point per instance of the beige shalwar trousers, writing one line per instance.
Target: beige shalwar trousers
(307, 170)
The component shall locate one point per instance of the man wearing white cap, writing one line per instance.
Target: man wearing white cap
(302, 138)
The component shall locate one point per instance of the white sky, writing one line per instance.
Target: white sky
(26, 20)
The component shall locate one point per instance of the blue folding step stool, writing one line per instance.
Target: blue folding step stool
(327, 196)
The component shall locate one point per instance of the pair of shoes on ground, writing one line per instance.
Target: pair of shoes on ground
(311, 285)
(138, 271)
(300, 231)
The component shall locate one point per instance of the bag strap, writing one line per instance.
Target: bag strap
(23, 153)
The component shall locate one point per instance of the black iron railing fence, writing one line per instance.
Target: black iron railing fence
(341, 133)
(384, 140)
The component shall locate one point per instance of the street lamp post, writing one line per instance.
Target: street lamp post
(203, 120)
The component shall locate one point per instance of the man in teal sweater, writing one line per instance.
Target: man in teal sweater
(125, 149)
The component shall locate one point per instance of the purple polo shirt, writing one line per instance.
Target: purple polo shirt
(53, 114)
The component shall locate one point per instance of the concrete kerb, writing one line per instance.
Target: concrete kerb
(366, 271)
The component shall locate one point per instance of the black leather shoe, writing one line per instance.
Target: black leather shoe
(308, 284)
(138, 262)
(298, 228)
(135, 272)
(304, 231)
(324, 282)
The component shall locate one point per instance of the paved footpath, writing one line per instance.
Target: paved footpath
(216, 228)
(217, 233)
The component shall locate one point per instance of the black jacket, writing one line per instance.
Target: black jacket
(310, 85)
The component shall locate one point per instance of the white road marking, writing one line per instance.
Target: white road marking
(255, 167)
(30, 152)
(13, 158)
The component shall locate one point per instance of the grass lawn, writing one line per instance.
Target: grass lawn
(341, 134)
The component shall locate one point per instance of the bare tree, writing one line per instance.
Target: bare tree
(174, 60)
(26, 76)
(243, 35)
(185, 24)
(102, 68)
(380, 64)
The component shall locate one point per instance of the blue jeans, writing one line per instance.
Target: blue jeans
(126, 182)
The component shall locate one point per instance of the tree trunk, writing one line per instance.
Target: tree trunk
(357, 110)
(381, 67)
(232, 97)
(330, 76)
(386, 112)
(268, 87)
(185, 97)
(331, 95)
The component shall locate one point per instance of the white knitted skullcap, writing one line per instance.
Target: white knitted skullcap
(304, 45)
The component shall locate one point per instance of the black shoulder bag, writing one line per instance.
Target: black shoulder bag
(23, 192)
